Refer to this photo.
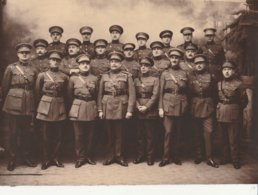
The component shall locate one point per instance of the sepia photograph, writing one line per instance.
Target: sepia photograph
(128, 92)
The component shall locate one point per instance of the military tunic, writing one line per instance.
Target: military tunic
(88, 47)
(131, 66)
(160, 64)
(187, 66)
(142, 52)
(115, 45)
(99, 66)
(61, 47)
(41, 64)
(147, 94)
(173, 100)
(68, 63)
(167, 48)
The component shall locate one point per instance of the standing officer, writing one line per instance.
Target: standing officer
(69, 66)
(166, 38)
(40, 63)
(87, 46)
(214, 51)
(17, 85)
(142, 50)
(82, 90)
(161, 61)
(115, 31)
(116, 102)
(50, 89)
(188, 63)
(203, 90)
(100, 64)
(129, 63)
(147, 93)
(232, 100)
(172, 104)
(188, 36)
(56, 35)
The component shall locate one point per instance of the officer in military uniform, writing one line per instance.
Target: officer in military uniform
(161, 61)
(130, 64)
(142, 50)
(82, 91)
(87, 46)
(56, 35)
(17, 85)
(50, 90)
(214, 51)
(188, 36)
(116, 101)
(188, 64)
(100, 64)
(232, 100)
(115, 31)
(147, 95)
(69, 66)
(166, 38)
(202, 92)
(40, 62)
(172, 104)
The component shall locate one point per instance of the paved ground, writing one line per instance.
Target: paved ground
(188, 173)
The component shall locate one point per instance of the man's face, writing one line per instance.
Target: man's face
(56, 37)
(53, 62)
(100, 50)
(174, 60)
(188, 37)
(166, 40)
(115, 64)
(24, 56)
(128, 53)
(199, 66)
(40, 51)
(145, 68)
(189, 54)
(84, 66)
(227, 72)
(141, 42)
(209, 38)
(115, 35)
(86, 36)
(73, 50)
(157, 51)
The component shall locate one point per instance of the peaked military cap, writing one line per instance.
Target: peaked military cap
(200, 58)
(175, 52)
(229, 64)
(86, 29)
(73, 41)
(156, 44)
(40, 43)
(187, 30)
(166, 33)
(23, 47)
(142, 35)
(100, 42)
(146, 60)
(116, 28)
(129, 46)
(115, 55)
(209, 31)
(191, 47)
(57, 29)
(83, 58)
(54, 54)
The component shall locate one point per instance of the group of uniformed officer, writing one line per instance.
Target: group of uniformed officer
(89, 83)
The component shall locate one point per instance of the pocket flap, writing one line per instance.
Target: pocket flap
(47, 99)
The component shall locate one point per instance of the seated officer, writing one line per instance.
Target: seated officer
(142, 50)
(129, 63)
(115, 31)
(166, 38)
(50, 90)
(56, 35)
(202, 92)
(40, 63)
(116, 100)
(82, 92)
(87, 46)
(147, 94)
(69, 66)
(18, 94)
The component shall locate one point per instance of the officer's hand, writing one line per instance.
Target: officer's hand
(74, 71)
(139, 108)
(143, 109)
(128, 115)
(161, 113)
(101, 115)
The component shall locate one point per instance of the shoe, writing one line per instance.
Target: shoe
(177, 161)
(29, 163)
(236, 165)
(11, 166)
(163, 163)
(138, 160)
(197, 161)
(90, 161)
(212, 163)
(45, 165)
(122, 163)
(150, 162)
(79, 163)
(109, 162)
(58, 163)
